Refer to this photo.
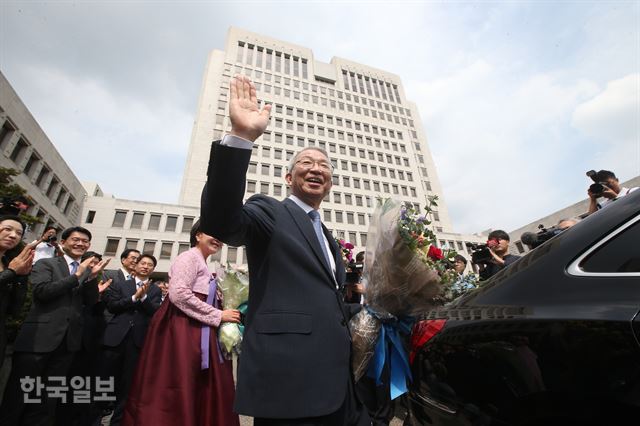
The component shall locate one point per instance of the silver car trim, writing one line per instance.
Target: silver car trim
(436, 404)
(575, 269)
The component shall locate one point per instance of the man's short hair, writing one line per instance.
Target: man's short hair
(292, 163)
(148, 256)
(360, 257)
(604, 175)
(67, 232)
(499, 234)
(48, 227)
(127, 252)
(91, 254)
(461, 258)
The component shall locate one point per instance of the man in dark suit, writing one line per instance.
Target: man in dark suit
(128, 259)
(295, 363)
(133, 302)
(52, 331)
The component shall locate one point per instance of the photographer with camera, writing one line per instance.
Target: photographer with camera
(354, 289)
(47, 245)
(494, 256)
(606, 186)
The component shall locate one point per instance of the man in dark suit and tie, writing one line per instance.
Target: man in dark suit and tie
(133, 302)
(128, 259)
(52, 331)
(295, 363)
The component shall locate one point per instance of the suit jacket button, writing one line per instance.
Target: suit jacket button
(344, 323)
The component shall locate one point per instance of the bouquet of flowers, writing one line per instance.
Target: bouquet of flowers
(235, 290)
(346, 249)
(404, 271)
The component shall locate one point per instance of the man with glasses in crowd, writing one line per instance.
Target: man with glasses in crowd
(52, 331)
(295, 363)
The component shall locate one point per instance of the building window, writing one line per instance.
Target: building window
(118, 219)
(52, 186)
(6, 133)
(154, 222)
(18, 150)
(42, 177)
(187, 223)
(90, 216)
(136, 221)
(149, 247)
(171, 223)
(131, 244)
(111, 247)
(29, 167)
(251, 187)
(165, 250)
(182, 247)
(232, 254)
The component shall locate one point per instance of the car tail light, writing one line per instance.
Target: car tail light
(423, 332)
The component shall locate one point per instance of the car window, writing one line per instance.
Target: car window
(620, 254)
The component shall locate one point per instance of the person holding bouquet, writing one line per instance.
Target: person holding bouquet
(294, 366)
(181, 377)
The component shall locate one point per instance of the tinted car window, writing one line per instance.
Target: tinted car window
(620, 254)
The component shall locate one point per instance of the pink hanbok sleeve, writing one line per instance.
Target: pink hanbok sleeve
(182, 277)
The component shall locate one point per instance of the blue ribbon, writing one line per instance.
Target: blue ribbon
(389, 348)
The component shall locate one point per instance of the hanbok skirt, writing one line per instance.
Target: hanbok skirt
(169, 387)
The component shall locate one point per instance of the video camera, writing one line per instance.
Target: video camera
(598, 187)
(533, 240)
(480, 253)
(354, 272)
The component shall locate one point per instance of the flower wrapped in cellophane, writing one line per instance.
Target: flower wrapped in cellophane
(404, 273)
(235, 290)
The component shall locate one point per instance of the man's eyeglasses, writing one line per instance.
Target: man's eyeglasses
(308, 163)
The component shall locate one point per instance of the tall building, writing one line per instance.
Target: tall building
(57, 193)
(360, 115)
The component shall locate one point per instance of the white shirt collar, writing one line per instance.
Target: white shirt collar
(70, 259)
(304, 206)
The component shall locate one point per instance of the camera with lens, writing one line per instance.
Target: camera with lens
(480, 253)
(598, 187)
(533, 240)
(354, 272)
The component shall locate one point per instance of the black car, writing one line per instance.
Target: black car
(550, 340)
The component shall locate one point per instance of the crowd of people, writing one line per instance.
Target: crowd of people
(98, 340)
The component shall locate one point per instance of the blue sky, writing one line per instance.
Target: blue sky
(518, 99)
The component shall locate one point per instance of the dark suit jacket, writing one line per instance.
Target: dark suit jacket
(115, 275)
(13, 290)
(296, 347)
(58, 300)
(129, 315)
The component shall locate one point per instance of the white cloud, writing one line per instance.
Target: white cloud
(132, 149)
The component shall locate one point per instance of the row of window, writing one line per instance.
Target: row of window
(318, 117)
(330, 147)
(380, 89)
(271, 60)
(154, 222)
(285, 63)
(353, 182)
(148, 247)
(40, 174)
(355, 104)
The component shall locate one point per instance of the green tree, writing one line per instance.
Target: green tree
(13, 195)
